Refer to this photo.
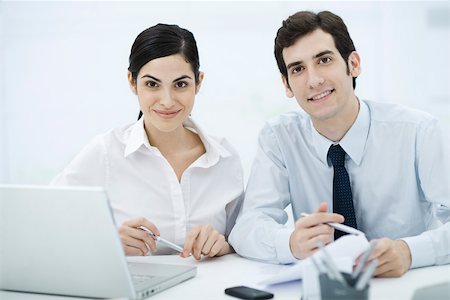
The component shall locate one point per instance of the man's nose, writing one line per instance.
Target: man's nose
(315, 79)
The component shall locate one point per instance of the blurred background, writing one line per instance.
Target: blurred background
(63, 69)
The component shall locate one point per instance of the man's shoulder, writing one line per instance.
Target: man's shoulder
(386, 112)
(287, 121)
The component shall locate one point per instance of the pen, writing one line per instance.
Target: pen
(317, 265)
(363, 260)
(340, 227)
(161, 240)
(329, 263)
(366, 275)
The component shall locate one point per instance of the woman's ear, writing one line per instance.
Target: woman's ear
(198, 84)
(289, 92)
(354, 64)
(132, 83)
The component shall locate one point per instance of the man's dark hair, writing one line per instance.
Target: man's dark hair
(305, 22)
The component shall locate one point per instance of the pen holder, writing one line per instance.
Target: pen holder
(334, 290)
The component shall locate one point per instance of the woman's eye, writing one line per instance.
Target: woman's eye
(181, 84)
(152, 84)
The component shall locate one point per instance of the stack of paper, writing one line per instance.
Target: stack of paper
(347, 248)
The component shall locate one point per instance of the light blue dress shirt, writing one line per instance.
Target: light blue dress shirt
(399, 173)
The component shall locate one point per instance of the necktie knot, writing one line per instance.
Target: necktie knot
(336, 155)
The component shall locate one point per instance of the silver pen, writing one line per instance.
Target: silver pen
(363, 260)
(331, 266)
(366, 275)
(161, 240)
(341, 227)
(317, 264)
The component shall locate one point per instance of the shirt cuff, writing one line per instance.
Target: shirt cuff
(422, 251)
(284, 254)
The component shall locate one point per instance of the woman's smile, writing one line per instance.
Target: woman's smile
(167, 114)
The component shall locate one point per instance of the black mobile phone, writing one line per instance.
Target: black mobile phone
(245, 292)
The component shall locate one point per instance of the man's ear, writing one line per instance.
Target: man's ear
(132, 83)
(198, 84)
(354, 64)
(289, 92)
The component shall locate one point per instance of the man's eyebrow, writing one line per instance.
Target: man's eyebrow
(293, 64)
(152, 77)
(323, 53)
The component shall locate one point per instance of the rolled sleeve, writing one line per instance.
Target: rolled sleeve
(282, 248)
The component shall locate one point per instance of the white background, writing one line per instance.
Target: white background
(63, 69)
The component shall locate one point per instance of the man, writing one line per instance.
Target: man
(379, 167)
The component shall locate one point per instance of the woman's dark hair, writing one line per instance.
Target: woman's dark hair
(305, 22)
(163, 40)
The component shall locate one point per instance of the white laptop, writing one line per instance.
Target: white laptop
(62, 240)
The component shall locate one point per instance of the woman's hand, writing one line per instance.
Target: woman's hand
(136, 241)
(204, 239)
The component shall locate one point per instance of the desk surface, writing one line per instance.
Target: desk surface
(214, 275)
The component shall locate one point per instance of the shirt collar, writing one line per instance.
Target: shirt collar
(213, 147)
(138, 137)
(353, 142)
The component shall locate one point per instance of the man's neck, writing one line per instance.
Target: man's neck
(335, 128)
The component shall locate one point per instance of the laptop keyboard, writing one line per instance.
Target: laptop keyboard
(140, 280)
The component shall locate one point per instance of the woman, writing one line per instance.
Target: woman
(163, 172)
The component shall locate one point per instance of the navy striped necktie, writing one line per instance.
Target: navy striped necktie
(342, 191)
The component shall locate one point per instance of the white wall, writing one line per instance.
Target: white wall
(63, 69)
(3, 160)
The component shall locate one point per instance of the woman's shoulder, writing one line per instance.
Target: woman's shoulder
(108, 141)
(212, 142)
(222, 143)
(115, 135)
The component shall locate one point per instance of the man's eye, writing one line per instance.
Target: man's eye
(181, 84)
(152, 84)
(325, 60)
(297, 69)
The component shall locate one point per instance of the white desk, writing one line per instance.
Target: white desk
(214, 275)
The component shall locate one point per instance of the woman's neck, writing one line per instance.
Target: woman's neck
(180, 147)
(169, 143)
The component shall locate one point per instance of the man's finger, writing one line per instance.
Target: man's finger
(323, 207)
(318, 218)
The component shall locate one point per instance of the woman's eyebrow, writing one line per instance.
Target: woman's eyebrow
(182, 77)
(152, 77)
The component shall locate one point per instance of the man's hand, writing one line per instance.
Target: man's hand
(394, 257)
(204, 239)
(310, 229)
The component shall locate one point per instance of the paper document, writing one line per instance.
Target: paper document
(349, 246)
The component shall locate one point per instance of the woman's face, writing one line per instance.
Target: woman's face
(166, 90)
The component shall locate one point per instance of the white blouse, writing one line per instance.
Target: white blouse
(140, 182)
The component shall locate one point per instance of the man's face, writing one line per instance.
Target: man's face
(318, 77)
